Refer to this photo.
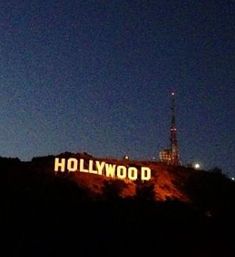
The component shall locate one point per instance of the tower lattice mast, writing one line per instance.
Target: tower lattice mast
(173, 134)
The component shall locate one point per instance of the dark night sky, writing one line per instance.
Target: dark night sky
(96, 76)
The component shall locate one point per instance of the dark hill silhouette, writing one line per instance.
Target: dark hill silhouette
(180, 212)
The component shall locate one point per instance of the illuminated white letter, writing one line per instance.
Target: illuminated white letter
(110, 170)
(121, 172)
(90, 169)
(132, 173)
(59, 164)
(145, 173)
(99, 166)
(81, 167)
(72, 164)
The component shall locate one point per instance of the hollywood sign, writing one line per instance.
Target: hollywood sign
(102, 168)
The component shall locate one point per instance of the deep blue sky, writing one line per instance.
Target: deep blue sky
(96, 76)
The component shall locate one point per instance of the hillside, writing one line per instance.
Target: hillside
(180, 211)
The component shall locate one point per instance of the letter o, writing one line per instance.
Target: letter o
(132, 173)
(121, 172)
(72, 164)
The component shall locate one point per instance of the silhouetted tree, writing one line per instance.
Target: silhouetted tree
(216, 170)
(112, 189)
(145, 191)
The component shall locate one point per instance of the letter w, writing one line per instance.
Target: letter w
(110, 170)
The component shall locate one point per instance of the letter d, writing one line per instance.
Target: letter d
(145, 173)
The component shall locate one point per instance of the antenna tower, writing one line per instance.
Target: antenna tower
(173, 134)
